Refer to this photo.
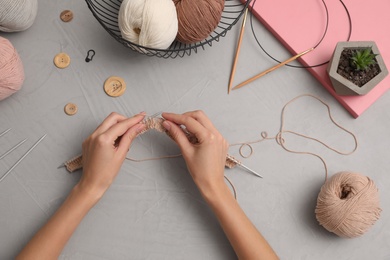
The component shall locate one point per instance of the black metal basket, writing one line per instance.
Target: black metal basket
(106, 12)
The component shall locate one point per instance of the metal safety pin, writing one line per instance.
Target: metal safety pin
(24, 155)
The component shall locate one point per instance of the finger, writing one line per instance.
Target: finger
(202, 118)
(121, 127)
(177, 134)
(192, 125)
(128, 137)
(111, 120)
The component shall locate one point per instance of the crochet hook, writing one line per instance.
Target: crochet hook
(24, 155)
(273, 68)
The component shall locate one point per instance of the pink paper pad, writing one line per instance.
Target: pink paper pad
(300, 24)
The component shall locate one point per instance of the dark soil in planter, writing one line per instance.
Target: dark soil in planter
(358, 77)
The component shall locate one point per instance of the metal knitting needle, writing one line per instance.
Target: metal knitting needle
(16, 164)
(248, 169)
(6, 131)
(13, 148)
(243, 166)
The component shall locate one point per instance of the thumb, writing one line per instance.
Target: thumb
(177, 134)
(129, 136)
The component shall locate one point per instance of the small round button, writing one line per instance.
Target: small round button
(66, 16)
(70, 109)
(62, 60)
(114, 86)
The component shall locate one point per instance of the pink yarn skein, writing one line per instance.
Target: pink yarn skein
(11, 69)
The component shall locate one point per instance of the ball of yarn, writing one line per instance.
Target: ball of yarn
(197, 19)
(148, 23)
(11, 69)
(17, 15)
(348, 204)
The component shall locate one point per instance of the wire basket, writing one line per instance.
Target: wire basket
(106, 12)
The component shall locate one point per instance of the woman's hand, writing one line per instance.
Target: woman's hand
(105, 150)
(206, 158)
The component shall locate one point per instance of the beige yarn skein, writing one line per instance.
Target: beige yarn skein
(348, 204)
(149, 23)
(17, 15)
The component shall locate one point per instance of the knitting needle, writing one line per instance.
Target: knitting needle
(13, 148)
(273, 68)
(237, 51)
(16, 164)
(6, 131)
(243, 166)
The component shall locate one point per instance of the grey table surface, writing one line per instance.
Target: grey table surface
(153, 210)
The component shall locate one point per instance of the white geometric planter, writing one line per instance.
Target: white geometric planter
(343, 86)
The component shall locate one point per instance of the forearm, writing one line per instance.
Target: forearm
(50, 240)
(245, 239)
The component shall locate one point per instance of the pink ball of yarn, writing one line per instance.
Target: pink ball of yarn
(11, 69)
(348, 204)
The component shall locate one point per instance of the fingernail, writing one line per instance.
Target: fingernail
(166, 125)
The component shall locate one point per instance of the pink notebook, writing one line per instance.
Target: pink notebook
(300, 24)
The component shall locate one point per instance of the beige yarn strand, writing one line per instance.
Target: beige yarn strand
(280, 140)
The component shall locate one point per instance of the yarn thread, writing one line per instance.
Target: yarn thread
(197, 19)
(11, 69)
(148, 23)
(17, 15)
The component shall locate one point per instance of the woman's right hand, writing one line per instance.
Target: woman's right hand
(206, 158)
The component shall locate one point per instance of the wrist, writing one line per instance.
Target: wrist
(215, 191)
(89, 194)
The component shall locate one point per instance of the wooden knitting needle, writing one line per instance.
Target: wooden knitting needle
(237, 51)
(273, 68)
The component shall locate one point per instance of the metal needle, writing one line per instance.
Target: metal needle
(252, 171)
(6, 131)
(243, 166)
(16, 164)
(13, 148)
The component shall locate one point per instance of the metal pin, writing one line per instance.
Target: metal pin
(6, 131)
(13, 148)
(16, 164)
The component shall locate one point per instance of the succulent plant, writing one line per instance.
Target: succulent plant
(363, 58)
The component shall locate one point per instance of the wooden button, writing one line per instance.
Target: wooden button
(70, 109)
(62, 60)
(114, 86)
(66, 16)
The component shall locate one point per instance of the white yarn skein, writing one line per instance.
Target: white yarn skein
(17, 15)
(149, 23)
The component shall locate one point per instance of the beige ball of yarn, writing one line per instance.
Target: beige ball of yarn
(197, 18)
(149, 23)
(11, 69)
(17, 15)
(348, 204)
